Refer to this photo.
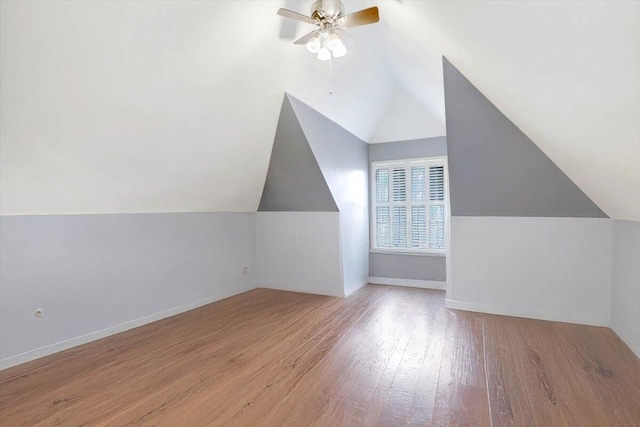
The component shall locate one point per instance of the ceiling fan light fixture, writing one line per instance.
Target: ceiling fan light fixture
(339, 51)
(333, 41)
(324, 54)
(313, 45)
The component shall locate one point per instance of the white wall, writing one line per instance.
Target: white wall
(354, 233)
(96, 275)
(343, 160)
(299, 251)
(625, 301)
(544, 268)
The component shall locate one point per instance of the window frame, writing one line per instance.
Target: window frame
(408, 203)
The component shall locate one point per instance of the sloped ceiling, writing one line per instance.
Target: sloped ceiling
(406, 118)
(158, 106)
(173, 106)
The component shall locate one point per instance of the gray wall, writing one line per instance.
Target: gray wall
(294, 181)
(495, 169)
(92, 272)
(426, 147)
(343, 160)
(403, 266)
(625, 301)
(406, 266)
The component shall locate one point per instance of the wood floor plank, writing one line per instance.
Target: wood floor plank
(607, 369)
(366, 383)
(540, 373)
(140, 367)
(410, 385)
(179, 383)
(421, 411)
(461, 397)
(282, 369)
(384, 356)
(49, 372)
(323, 390)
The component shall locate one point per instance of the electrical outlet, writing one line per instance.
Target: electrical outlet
(245, 270)
(40, 312)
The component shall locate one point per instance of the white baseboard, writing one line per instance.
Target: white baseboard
(300, 290)
(96, 335)
(412, 283)
(481, 308)
(360, 285)
(635, 348)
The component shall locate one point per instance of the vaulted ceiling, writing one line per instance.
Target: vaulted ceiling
(172, 106)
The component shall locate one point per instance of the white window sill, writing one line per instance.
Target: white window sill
(407, 252)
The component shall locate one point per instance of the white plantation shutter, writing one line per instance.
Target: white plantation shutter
(399, 184)
(436, 183)
(436, 211)
(436, 226)
(382, 185)
(418, 226)
(399, 228)
(410, 207)
(418, 208)
(418, 184)
(383, 227)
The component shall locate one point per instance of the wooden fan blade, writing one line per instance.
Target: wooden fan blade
(295, 15)
(305, 39)
(363, 17)
(345, 37)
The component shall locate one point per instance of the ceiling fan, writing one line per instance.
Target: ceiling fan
(330, 39)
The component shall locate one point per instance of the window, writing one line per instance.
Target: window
(409, 205)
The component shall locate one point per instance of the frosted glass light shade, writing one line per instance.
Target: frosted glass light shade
(333, 41)
(324, 54)
(339, 51)
(313, 45)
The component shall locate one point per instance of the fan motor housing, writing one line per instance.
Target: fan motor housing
(326, 9)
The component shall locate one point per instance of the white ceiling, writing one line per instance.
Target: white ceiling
(172, 106)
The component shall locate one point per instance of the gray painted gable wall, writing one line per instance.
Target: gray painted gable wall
(294, 180)
(495, 169)
(339, 153)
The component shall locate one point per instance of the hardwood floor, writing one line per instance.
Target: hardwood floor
(384, 356)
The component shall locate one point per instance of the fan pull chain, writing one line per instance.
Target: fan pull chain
(331, 75)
